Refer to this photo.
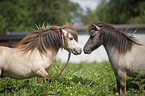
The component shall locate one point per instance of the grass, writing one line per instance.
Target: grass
(83, 79)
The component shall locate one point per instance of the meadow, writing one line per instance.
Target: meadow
(83, 79)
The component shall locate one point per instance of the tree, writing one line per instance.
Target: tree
(20, 15)
(118, 12)
(141, 18)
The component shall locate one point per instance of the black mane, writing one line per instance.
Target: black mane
(114, 38)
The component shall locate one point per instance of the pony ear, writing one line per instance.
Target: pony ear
(64, 32)
(60, 31)
(94, 33)
(97, 27)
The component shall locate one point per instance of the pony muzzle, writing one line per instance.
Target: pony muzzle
(87, 51)
(76, 51)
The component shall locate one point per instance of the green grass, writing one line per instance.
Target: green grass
(83, 79)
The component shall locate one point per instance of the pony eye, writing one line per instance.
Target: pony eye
(92, 36)
(71, 38)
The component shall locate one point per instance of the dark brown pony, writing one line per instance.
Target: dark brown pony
(126, 55)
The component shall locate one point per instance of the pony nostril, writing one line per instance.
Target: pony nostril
(87, 51)
(77, 51)
(80, 51)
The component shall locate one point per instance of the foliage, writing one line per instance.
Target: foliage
(19, 15)
(118, 12)
(83, 79)
(139, 19)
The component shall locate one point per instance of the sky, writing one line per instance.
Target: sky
(84, 4)
(87, 3)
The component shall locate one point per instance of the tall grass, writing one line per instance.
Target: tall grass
(83, 79)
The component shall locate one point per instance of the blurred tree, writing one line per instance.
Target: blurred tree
(118, 12)
(19, 15)
(90, 17)
(99, 15)
(141, 18)
(122, 10)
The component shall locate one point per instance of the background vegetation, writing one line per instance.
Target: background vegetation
(117, 12)
(20, 15)
(83, 79)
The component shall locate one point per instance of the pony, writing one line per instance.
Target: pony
(36, 52)
(126, 54)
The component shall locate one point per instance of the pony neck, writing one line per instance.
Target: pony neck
(111, 50)
(119, 41)
(49, 54)
(112, 53)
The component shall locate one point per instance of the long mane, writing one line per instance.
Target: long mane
(114, 38)
(49, 38)
(70, 28)
(42, 39)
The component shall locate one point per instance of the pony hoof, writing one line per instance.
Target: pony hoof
(116, 93)
(50, 81)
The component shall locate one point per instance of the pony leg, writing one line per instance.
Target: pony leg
(0, 73)
(39, 79)
(44, 74)
(121, 81)
(118, 83)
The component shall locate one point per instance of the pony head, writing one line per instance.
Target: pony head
(93, 41)
(51, 38)
(70, 42)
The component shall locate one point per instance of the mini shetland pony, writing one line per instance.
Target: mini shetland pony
(36, 52)
(126, 55)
